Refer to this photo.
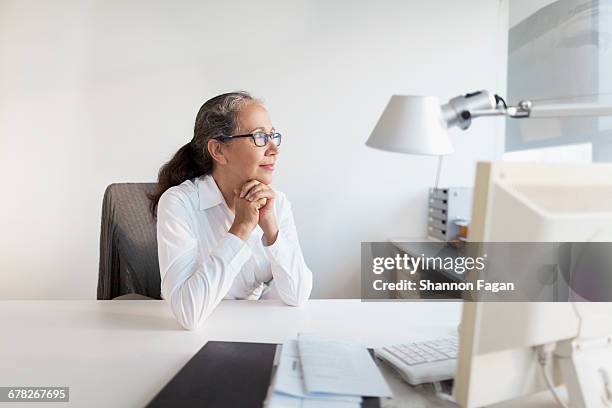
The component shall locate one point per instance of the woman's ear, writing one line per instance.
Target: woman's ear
(217, 151)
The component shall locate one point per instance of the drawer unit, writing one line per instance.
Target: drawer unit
(446, 205)
(437, 213)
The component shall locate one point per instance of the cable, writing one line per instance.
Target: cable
(607, 385)
(439, 392)
(552, 389)
(544, 353)
(499, 99)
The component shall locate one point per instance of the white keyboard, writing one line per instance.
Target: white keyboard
(422, 362)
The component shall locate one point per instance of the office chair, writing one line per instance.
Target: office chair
(129, 267)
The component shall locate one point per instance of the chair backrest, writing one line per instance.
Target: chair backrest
(128, 243)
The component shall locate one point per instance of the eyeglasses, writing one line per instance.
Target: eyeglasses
(259, 138)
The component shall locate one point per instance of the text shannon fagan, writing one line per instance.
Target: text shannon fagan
(425, 284)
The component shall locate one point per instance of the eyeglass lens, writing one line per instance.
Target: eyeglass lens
(261, 138)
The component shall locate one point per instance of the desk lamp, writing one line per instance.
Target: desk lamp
(419, 124)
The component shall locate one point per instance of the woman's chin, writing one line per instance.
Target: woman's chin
(264, 176)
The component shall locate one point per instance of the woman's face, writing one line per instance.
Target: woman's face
(245, 160)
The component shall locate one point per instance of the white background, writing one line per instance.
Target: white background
(96, 92)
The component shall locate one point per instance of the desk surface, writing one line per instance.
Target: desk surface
(121, 353)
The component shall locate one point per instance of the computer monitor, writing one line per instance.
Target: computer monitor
(497, 360)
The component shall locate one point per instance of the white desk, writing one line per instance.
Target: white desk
(121, 353)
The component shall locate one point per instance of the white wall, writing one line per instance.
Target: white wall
(95, 92)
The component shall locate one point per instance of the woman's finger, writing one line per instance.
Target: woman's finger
(255, 190)
(266, 193)
(260, 203)
(247, 186)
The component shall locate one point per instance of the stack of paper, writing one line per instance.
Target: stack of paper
(316, 372)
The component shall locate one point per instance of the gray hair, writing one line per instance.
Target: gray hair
(218, 117)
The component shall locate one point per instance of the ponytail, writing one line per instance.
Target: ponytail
(184, 165)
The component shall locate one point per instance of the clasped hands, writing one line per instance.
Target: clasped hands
(254, 205)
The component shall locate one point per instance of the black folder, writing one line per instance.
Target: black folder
(225, 374)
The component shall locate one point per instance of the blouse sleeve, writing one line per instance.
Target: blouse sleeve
(292, 277)
(193, 287)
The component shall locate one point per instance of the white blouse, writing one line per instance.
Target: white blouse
(201, 263)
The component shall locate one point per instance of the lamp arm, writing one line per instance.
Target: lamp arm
(460, 110)
(568, 110)
(525, 109)
(491, 112)
(521, 111)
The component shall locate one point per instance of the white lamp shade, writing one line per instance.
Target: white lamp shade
(411, 124)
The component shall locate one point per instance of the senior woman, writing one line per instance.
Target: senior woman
(222, 231)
